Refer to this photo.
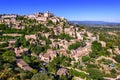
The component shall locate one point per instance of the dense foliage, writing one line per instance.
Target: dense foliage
(76, 45)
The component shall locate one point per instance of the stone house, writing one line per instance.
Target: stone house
(64, 44)
(78, 53)
(70, 31)
(102, 43)
(91, 36)
(117, 50)
(9, 18)
(48, 14)
(0, 20)
(63, 52)
(110, 50)
(32, 16)
(47, 35)
(79, 36)
(38, 14)
(23, 65)
(42, 42)
(54, 45)
(12, 41)
(58, 30)
(60, 44)
(41, 19)
(18, 26)
(72, 41)
(62, 71)
(18, 51)
(30, 37)
(54, 19)
(48, 56)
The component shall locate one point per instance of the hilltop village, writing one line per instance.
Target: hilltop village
(42, 46)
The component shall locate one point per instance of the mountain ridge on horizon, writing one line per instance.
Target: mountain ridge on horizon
(87, 22)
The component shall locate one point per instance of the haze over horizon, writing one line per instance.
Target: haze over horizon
(78, 10)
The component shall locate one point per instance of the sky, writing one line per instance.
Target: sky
(78, 10)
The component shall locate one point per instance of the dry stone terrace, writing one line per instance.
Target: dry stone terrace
(12, 35)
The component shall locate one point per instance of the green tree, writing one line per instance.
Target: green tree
(9, 56)
(18, 43)
(85, 58)
(76, 45)
(41, 76)
(76, 73)
(65, 36)
(95, 74)
(96, 49)
(117, 58)
(3, 45)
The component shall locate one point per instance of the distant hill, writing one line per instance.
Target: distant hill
(95, 23)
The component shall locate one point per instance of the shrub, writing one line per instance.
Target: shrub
(78, 74)
(85, 58)
(95, 74)
(117, 58)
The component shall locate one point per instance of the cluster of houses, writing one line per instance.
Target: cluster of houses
(20, 62)
(11, 19)
(57, 46)
(60, 45)
(40, 16)
(117, 50)
(8, 19)
(43, 17)
(48, 56)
